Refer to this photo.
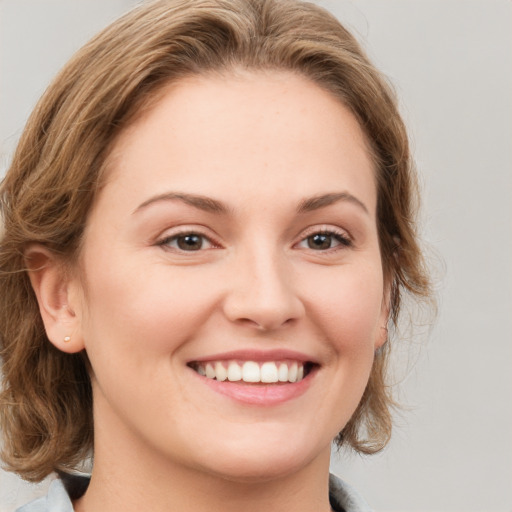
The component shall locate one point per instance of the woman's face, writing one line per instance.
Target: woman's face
(235, 238)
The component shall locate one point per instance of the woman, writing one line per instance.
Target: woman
(209, 224)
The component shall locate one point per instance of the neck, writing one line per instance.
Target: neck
(131, 481)
(180, 490)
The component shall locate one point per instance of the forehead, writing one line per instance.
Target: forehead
(208, 131)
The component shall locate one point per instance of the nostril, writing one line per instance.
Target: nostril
(265, 322)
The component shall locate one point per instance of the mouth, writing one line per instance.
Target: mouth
(254, 372)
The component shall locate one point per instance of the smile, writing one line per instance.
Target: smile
(266, 372)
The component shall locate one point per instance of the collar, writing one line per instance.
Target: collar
(342, 497)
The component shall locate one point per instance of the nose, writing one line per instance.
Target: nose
(262, 292)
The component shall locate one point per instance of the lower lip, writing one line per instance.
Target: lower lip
(259, 394)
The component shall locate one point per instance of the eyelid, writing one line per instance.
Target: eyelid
(173, 233)
(347, 240)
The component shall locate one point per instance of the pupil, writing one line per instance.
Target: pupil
(319, 241)
(190, 242)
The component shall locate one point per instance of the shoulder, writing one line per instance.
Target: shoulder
(57, 500)
(59, 495)
(344, 498)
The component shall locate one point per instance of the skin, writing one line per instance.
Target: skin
(261, 143)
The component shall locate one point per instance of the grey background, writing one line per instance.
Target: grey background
(451, 63)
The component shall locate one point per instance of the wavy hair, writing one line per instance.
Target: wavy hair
(45, 198)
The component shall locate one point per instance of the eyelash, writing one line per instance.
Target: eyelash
(341, 237)
(166, 241)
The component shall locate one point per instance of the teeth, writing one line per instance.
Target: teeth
(234, 372)
(251, 371)
(283, 372)
(269, 372)
(292, 373)
(220, 372)
(210, 371)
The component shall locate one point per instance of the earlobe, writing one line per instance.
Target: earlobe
(54, 289)
(382, 338)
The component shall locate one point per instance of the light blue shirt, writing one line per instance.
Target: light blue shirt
(342, 496)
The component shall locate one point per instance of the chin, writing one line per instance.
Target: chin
(264, 461)
(257, 470)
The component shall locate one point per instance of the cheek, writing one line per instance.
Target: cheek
(154, 310)
(348, 307)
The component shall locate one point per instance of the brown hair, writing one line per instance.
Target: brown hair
(46, 402)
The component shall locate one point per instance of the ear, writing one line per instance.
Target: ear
(58, 298)
(382, 335)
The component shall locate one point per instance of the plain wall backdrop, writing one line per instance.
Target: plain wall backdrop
(451, 63)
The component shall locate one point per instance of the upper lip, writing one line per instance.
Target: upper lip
(257, 356)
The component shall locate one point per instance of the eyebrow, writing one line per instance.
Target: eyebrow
(201, 202)
(214, 206)
(321, 201)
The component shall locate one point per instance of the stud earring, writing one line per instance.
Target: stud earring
(67, 339)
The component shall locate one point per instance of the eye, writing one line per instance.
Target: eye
(325, 240)
(188, 241)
